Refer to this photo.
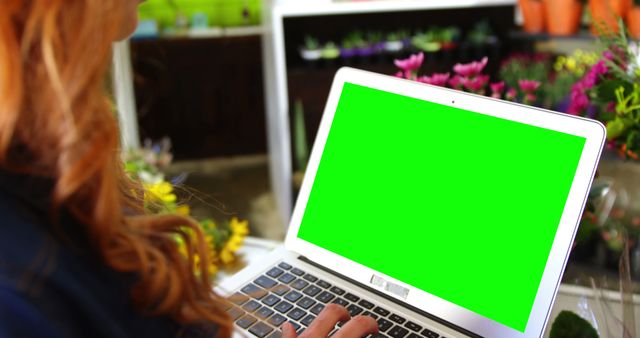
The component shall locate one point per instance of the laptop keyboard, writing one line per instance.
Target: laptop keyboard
(288, 294)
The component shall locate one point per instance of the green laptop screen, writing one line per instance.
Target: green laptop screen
(461, 205)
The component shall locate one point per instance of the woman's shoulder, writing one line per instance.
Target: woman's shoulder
(51, 280)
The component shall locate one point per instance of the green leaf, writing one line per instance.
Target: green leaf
(570, 325)
(606, 91)
(615, 128)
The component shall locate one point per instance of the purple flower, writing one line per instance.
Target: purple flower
(475, 84)
(497, 89)
(471, 69)
(437, 79)
(608, 55)
(410, 64)
(528, 86)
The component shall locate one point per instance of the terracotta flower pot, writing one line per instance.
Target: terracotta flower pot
(606, 13)
(564, 16)
(533, 14)
(633, 21)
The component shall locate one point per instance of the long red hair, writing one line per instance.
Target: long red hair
(56, 120)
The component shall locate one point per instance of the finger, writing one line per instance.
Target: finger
(327, 320)
(288, 331)
(357, 327)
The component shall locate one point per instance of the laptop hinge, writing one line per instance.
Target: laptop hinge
(391, 299)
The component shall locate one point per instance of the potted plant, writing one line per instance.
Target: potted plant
(330, 51)
(310, 51)
(427, 41)
(566, 15)
(605, 14)
(394, 42)
(533, 14)
(633, 19)
(347, 49)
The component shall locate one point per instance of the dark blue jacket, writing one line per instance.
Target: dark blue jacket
(53, 285)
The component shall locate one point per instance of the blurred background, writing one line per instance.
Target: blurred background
(222, 98)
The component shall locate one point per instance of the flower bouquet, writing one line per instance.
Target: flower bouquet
(145, 166)
(609, 92)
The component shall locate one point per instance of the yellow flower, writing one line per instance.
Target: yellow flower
(183, 210)
(239, 230)
(162, 191)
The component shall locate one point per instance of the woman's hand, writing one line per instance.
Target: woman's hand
(356, 327)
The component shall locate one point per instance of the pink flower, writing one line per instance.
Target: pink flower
(511, 94)
(497, 89)
(579, 100)
(529, 98)
(437, 79)
(399, 74)
(456, 82)
(412, 63)
(600, 68)
(528, 86)
(475, 84)
(471, 69)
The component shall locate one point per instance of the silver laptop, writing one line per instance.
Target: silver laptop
(437, 212)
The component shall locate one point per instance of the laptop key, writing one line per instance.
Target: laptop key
(337, 291)
(325, 297)
(251, 306)
(384, 324)
(280, 289)
(277, 320)
(246, 321)
(312, 290)
(235, 313)
(276, 334)
(238, 298)
(306, 303)
(340, 301)
(413, 335)
(378, 335)
(275, 272)
(284, 265)
(286, 278)
(261, 329)
(366, 304)
(283, 307)
(296, 313)
(293, 296)
(295, 325)
(310, 278)
(323, 284)
(297, 272)
(398, 332)
(264, 313)
(299, 284)
(397, 319)
(308, 320)
(413, 326)
(317, 309)
(381, 311)
(351, 297)
(265, 282)
(370, 314)
(430, 334)
(254, 291)
(354, 310)
(270, 300)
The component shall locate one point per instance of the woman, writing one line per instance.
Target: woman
(78, 255)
